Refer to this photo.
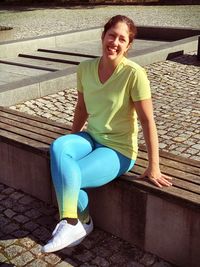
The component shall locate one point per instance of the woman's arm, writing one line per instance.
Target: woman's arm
(144, 111)
(80, 114)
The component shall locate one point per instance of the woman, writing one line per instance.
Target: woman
(112, 92)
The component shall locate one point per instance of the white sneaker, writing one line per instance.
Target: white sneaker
(67, 235)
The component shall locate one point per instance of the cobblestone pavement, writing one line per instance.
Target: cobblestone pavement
(33, 22)
(26, 224)
(175, 89)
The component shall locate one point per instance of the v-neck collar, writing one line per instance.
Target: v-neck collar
(111, 76)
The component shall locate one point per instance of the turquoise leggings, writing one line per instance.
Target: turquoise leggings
(79, 162)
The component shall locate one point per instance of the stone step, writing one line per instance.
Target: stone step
(71, 59)
(36, 63)
(22, 70)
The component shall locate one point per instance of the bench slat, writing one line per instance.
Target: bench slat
(35, 120)
(175, 158)
(27, 134)
(137, 170)
(182, 174)
(24, 142)
(28, 127)
(27, 121)
(176, 164)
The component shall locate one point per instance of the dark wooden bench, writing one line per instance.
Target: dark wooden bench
(163, 221)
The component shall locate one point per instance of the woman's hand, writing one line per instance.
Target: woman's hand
(156, 177)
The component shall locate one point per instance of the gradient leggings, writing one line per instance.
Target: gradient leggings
(79, 162)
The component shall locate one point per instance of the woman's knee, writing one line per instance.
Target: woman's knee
(56, 145)
(74, 145)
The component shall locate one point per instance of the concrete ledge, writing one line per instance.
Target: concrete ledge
(36, 87)
(162, 52)
(13, 48)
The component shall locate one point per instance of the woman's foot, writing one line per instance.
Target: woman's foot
(67, 235)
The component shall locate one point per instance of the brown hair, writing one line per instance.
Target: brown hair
(120, 18)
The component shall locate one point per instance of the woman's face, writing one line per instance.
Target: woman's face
(116, 41)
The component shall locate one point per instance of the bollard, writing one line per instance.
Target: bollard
(198, 49)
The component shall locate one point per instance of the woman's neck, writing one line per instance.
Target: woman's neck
(107, 64)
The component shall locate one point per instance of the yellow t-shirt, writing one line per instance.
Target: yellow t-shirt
(112, 119)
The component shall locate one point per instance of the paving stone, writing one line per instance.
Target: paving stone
(23, 259)
(2, 187)
(2, 197)
(85, 256)
(2, 258)
(196, 146)
(99, 261)
(27, 242)
(8, 191)
(7, 242)
(26, 200)
(14, 250)
(8, 229)
(36, 250)
(37, 263)
(20, 233)
(21, 219)
(52, 259)
(9, 213)
(42, 234)
(148, 259)
(33, 214)
(20, 208)
(64, 264)
(2, 208)
(31, 226)
(8, 203)
(16, 195)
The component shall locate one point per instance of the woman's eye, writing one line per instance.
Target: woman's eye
(111, 35)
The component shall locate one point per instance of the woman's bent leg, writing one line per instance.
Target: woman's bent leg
(66, 174)
(99, 167)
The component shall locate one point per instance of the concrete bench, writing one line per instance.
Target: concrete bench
(163, 221)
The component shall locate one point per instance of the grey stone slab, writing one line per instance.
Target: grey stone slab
(58, 56)
(20, 94)
(94, 46)
(11, 77)
(140, 44)
(38, 63)
(21, 70)
(87, 47)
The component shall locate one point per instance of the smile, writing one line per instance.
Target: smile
(111, 49)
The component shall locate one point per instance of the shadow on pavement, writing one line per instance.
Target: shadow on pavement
(187, 60)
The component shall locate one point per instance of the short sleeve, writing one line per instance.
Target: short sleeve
(140, 86)
(79, 82)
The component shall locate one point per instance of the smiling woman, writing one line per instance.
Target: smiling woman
(112, 92)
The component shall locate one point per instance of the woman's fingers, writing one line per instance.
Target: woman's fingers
(166, 177)
(162, 181)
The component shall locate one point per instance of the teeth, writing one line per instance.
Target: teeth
(112, 49)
